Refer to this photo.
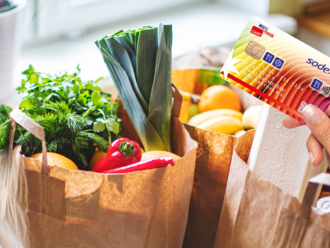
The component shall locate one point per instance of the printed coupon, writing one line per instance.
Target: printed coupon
(279, 69)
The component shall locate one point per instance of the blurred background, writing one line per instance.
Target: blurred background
(56, 35)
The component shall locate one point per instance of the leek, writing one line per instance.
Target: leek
(159, 112)
(146, 52)
(139, 62)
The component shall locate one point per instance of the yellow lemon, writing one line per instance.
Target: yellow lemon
(56, 159)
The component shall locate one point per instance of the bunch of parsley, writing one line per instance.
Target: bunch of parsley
(76, 116)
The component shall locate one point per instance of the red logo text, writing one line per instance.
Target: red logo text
(257, 31)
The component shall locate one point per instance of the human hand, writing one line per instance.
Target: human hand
(319, 124)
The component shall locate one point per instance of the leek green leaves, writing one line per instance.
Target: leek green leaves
(139, 63)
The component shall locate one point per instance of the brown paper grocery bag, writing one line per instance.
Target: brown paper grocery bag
(214, 154)
(213, 160)
(256, 213)
(300, 225)
(45, 206)
(251, 204)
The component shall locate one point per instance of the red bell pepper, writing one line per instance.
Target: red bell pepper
(142, 165)
(120, 153)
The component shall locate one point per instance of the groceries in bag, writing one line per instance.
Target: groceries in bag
(217, 109)
(77, 116)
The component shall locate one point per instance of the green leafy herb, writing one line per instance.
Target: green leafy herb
(99, 125)
(75, 115)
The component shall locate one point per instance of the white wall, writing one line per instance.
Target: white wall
(256, 7)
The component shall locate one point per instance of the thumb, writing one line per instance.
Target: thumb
(319, 124)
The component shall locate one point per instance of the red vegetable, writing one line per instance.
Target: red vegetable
(120, 153)
(143, 165)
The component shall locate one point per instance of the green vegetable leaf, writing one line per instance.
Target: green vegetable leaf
(96, 99)
(53, 95)
(71, 112)
(91, 86)
(28, 71)
(57, 144)
(26, 104)
(34, 78)
(160, 105)
(146, 60)
(126, 42)
(101, 143)
(145, 130)
(119, 53)
(21, 89)
(139, 63)
(99, 125)
(112, 125)
(88, 121)
(71, 95)
(75, 122)
(211, 77)
(97, 80)
(82, 98)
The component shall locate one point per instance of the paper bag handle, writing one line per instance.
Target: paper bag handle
(177, 102)
(323, 178)
(17, 116)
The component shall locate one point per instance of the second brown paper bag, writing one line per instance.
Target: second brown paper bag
(213, 159)
(256, 213)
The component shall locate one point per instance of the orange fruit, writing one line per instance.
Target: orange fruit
(56, 159)
(218, 97)
(96, 157)
(184, 113)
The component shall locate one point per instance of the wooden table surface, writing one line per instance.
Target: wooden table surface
(318, 24)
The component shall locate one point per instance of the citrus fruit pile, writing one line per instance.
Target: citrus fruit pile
(219, 110)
